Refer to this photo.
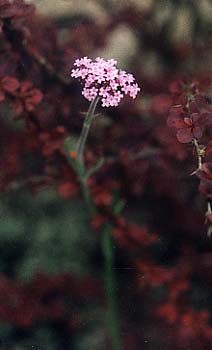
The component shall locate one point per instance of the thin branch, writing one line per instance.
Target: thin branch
(42, 61)
(146, 153)
(200, 153)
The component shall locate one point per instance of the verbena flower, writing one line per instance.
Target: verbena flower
(102, 78)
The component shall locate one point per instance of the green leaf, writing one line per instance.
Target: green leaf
(70, 145)
(118, 203)
(118, 207)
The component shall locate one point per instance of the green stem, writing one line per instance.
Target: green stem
(107, 246)
(85, 130)
(87, 196)
(80, 154)
(111, 290)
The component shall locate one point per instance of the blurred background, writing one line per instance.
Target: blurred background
(51, 266)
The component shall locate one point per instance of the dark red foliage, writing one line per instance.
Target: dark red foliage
(133, 236)
(26, 98)
(205, 175)
(7, 85)
(144, 190)
(45, 298)
(188, 127)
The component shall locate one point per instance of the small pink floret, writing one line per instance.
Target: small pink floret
(102, 78)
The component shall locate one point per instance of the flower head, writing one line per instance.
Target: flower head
(102, 78)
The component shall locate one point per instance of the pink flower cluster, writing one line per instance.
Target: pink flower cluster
(103, 79)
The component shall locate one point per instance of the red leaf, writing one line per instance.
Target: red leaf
(29, 106)
(25, 85)
(1, 26)
(2, 96)
(174, 121)
(7, 10)
(195, 117)
(36, 96)
(187, 121)
(98, 221)
(193, 107)
(175, 87)
(207, 169)
(209, 218)
(197, 132)
(184, 135)
(200, 100)
(206, 118)
(9, 84)
(17, 107)
(208, 149)
(3, 2)
(183, 99)
(67, 189)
